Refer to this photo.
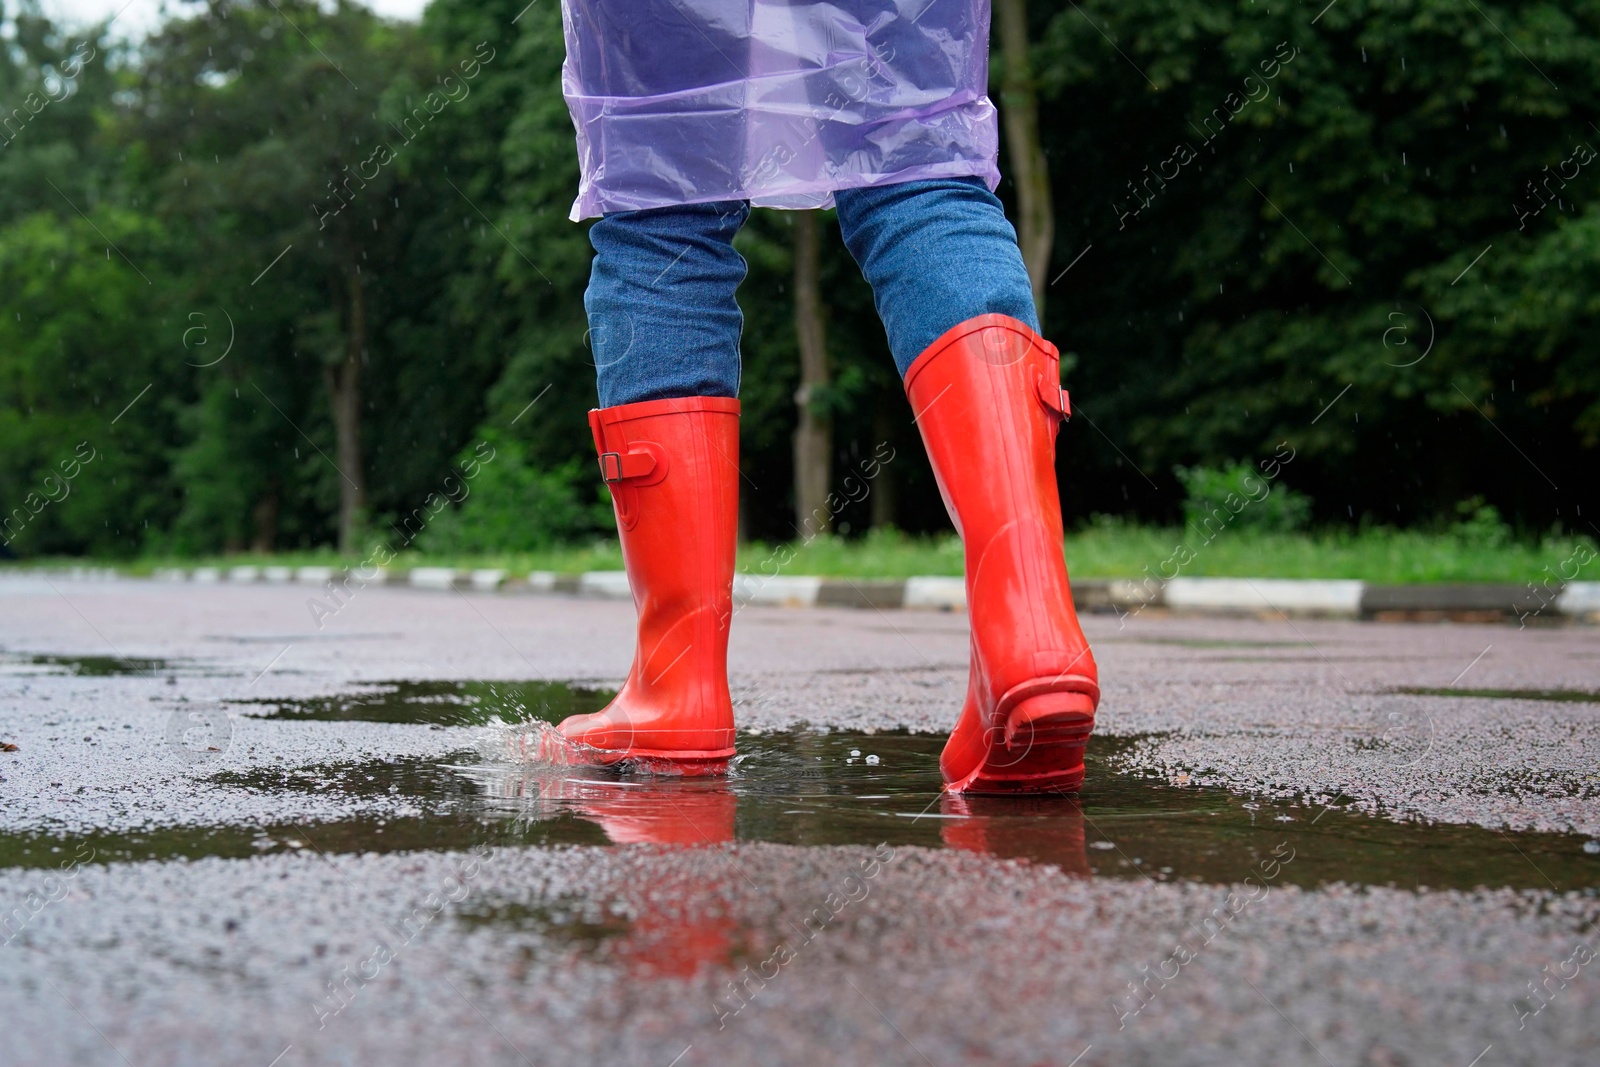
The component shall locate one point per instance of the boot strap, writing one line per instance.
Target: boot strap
(622, 466)
(1055, 398)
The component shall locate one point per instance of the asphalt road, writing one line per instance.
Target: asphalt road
(1281, 857)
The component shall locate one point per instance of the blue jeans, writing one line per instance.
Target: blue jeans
(664, 323)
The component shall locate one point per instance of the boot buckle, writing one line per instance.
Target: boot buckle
(620, 466)
(1054, 398)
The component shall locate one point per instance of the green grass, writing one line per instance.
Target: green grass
(1112, 551)
(1104, 550)
(1376, 555)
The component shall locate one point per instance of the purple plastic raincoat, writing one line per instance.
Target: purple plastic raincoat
(779, 103)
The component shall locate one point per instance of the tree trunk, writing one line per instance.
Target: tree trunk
(265, 515)
(813, 435)
(883, 486)
(1019, 108)
(344, 388)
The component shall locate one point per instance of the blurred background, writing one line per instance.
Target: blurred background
(270, 286)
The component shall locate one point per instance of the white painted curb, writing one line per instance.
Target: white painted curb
(786, 590)
(1340, 598)
(487, 580)
(1126, 592)
(92, 574)
(939, 593)
(612, 585)
(1287, 595)
(433, 577)
(1579, 598)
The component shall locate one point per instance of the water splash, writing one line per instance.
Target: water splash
(536, 743)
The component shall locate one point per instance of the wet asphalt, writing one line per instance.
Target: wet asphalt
(230, 836)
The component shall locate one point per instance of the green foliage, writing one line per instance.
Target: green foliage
(509, 505)
(1389, 260)
(1480, 524)
(1324, 244)
(72, 357)
(1239, 497)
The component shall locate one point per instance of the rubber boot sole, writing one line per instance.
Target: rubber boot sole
(1040, 747)
(691, 764)
(550, 746)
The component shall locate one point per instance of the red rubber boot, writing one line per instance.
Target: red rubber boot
(988, 400)
(673, 470)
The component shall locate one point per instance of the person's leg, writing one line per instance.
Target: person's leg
(664, 328)
(985, 390)
(663, 321)
(936, 253)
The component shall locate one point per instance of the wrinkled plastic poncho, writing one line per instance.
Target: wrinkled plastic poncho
(779, 103)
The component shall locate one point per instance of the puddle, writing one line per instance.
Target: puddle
(448, 703)
(88, 666)
(797, 788)
(1578, 696)
(809, 788)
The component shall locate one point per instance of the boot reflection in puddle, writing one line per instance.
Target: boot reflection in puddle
(669, 939)
(675, 928)
(656, 812)
(1040, 829)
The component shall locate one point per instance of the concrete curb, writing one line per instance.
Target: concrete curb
(1270, 597)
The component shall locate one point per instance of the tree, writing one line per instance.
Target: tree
(1030, 171)
(87, 396)
(1275, 200)
(1370, 231)
(502, 181)
(813, 437)
(273, 155)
